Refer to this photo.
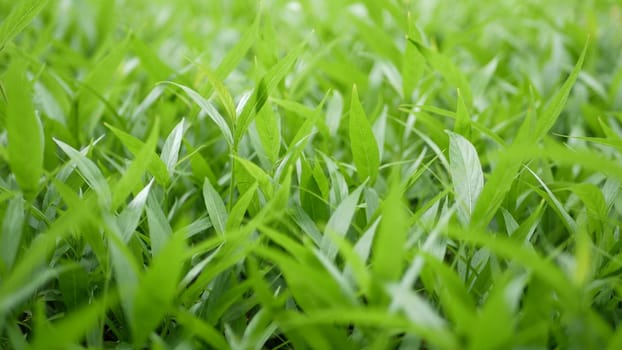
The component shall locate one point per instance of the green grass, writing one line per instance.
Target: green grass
(310, 174)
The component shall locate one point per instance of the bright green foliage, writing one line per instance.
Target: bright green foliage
(363, 143)
(312, 174)
(21, 14)
(25, 133)
(466, 174)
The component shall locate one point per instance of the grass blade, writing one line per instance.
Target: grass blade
(12, 230)
(339, 222)
(362, 141)
(265, 88)
(215, 207)
(25, 132)
(155, 166)
(19, 18)
(553, 109)
(209, 109)
(158, 286)
(90, 172)
(159, 228)
(132, 177)
(389, 242)
(172, 145)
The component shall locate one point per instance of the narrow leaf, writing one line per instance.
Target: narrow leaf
(239, 209)
(157, 289)
(89, 171)
(264, 89)
(551, 112)
(362, 141)
(388, 248)
(340, 221)
(209, 109)
(269, 133)
(12, 229)
(466, 174)
(20, 16)
(156, 166)
(25, 132)
(170, 150)
(215, 207)
(159, 228)
(132, 177)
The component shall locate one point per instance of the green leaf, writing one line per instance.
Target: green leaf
(73, 285)
(556, 205)
(389, 241)
(27, 275)
(264, 181)
(172, 145)
(90, 172)
(340, 222)
(615, 342)
(419, 311)
(209, 109)
(132, 177)
(221, 91)
(22, 13)
(150, 60)
(9, 299)
(553, 109)
(126, 272)
(269, 132)
(593, 199)
(215, 207)
(159, 228)
(71, 329)
(12, 230)
(466, 174)
(157, 288)
(526, 256)
(497, 186)
(264, 89)
(447, 69)
(494, 328)
(155, 166)
(455, 299)
(237, 53)
(200, 168)
(25, 132)
(239, 209)
(202, 330)
(355, 264)
(412, 67)
(362, 141)
(94, 88)
(378, 40)
(463, 119)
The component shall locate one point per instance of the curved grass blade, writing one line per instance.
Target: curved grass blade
(20, 16)
(90, 172)
(209, 109)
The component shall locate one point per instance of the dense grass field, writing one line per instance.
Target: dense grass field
(312, 174)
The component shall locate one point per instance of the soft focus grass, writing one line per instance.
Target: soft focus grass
(310, 174)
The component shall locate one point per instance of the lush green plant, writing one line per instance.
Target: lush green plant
(310, 174)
